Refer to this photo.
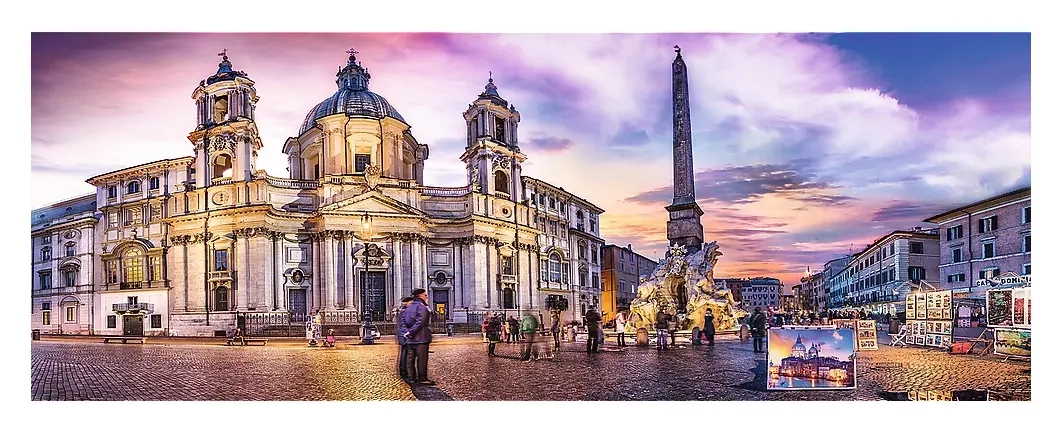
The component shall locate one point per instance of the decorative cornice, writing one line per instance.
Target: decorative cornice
(252, 232)
(485, 239)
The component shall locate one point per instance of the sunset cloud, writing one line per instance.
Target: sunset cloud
(804, 147)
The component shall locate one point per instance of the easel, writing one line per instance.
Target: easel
(897, 340)
(987, 344)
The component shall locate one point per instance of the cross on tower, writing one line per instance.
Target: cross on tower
(490, 75)
(352, 51)
(223, 51)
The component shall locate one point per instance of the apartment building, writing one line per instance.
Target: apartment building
(877, 278)
(984, 240)
(621, 269)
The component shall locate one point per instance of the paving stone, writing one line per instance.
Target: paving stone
(463, 371)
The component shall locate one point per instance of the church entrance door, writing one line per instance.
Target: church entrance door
(297, 304)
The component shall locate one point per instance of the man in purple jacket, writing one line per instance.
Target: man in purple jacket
(403, 350)
(418, 336)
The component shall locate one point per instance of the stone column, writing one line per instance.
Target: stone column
(349, 273)
(279, 267)
(328, 270)
(269, 281)
(396, 267)
(315, 267)
(245, 278)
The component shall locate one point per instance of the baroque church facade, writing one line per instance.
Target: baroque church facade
(191, 246)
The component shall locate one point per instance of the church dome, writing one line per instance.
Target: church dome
(353, 98)
(798, 350)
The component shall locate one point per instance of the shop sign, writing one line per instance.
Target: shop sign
(1006, 279)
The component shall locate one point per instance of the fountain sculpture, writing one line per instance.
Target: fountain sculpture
(685, 280)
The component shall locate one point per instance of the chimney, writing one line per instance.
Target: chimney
(629, 246)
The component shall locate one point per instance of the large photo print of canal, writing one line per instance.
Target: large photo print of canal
(819, 358)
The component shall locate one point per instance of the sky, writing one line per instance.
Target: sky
(806, 146)
(837, 343)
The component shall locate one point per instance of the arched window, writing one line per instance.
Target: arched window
(70, 276)
(579, 216)
(501, 182)
(133, 187)
(582, 276)
(133, 265)
(221, 298)
(70, 249)
(221, 109)
(555, 268)
(582, 248)
(46, 253)
(223, 166)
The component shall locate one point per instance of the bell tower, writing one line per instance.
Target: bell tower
(226, 139)
(492, 158)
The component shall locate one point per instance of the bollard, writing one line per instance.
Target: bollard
(695, 337)
(642, 337)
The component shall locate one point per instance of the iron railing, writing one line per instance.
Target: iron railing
(130, 307)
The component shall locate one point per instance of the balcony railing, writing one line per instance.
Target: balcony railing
(221, 275)
(131, 285)
(507, 278)
(446, 191)
(133, 307)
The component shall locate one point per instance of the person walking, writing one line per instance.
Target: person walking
(757, 327)
(621, 327)
(400, 332)
(514, 330)
(594, 322)
(418, 336)
(661, 326)
(710, 327)
(529, 326)
(494, 332)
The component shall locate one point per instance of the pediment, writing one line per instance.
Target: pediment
(373, 202)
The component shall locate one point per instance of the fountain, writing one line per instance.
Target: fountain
(682, 284)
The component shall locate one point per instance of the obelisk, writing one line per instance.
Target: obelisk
(684, 214)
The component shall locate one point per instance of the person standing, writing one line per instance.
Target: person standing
(400, 323)
(621, 327)
(514, 330)
(529, 326)
(483, 326)
(594, 322)
(661, 326)
(710, 327)
(418, 336)
(494, 332)
(757, 327)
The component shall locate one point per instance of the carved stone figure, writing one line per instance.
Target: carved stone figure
(685, 277)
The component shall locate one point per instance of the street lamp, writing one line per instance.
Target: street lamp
(367, 315)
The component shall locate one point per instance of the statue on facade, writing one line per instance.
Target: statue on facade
(682, 277)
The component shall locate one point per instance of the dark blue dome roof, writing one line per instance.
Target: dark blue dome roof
(353, 98)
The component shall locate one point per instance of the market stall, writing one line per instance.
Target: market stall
(1007, 306)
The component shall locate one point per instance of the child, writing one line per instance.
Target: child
(330, 341)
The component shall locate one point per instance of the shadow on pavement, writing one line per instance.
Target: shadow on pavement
(430, 393)
(759, 383)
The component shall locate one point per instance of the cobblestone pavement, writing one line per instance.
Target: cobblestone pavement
(86, 370)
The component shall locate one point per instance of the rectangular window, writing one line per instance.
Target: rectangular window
(112, 271)
(1026, 215)
(989, 272)
(507, 264)
(221, 260)
(361, 161)
(594, 281)
(71, 249)
(987, 224)
(593, 224)
(564, 272)
(45, 280)
(956, 255)
(153, 183)
(112, 321)
(1026, 239)
(46, 305)
(46, 254)
(133, 267)
(1026, 269)
(112, 192)
(553, 227)
(156, 321)
(70, 277)
(155, 268)
(583, 278)
(555, 271)
(131, 300)
(46, 317)
(594, 253)
(954, 232)
(917, 248)
(623, 283)
(988, 250)
(916, 274)
(622, 270)
(71, 314)
(112, 220)
(500, 129)
(953, 278)
(544, 270)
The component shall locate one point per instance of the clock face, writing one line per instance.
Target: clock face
(71, 234)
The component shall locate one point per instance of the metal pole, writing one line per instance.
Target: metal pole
(367, 324)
